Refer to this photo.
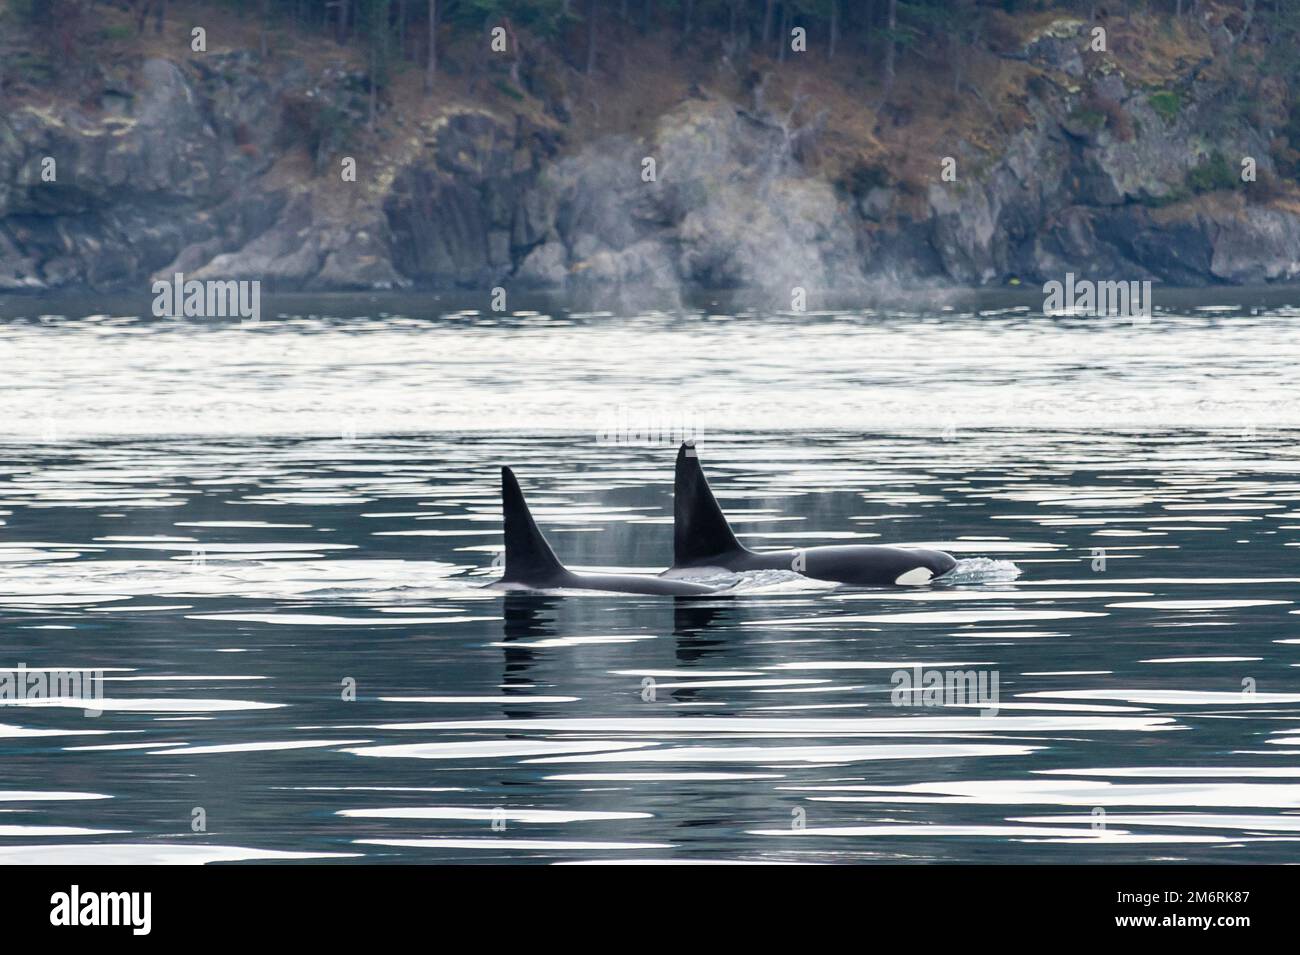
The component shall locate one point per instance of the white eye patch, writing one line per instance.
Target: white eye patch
(917, 575)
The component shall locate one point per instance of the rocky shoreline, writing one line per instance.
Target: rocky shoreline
(223, 166)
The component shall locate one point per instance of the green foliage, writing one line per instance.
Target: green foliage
(32, 11)
(323, 126)
(506, 87)
(543, 17)
(1167, 104)
(1286, 148)
(375, 15)
(932, 15)
(1090, 119)
(1280, 22)
(1213, 174)
(1174, 195)
(1097, 111)
(35, 68)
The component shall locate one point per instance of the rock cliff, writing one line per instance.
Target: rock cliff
(226, 166)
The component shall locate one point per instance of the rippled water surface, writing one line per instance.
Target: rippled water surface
(245, 527)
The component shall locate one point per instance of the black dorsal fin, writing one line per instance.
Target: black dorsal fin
(529, 559)
(700, 530)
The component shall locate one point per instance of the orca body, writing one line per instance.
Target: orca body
(532, 565)
(703, 543)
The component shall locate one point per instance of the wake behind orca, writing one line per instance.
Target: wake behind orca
(704, 543)
(532, 565)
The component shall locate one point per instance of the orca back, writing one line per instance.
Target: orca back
(700, 530)
(529, 558)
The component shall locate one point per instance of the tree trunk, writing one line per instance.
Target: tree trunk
(835, 28)
(591, 36)
(376, 26)
(768, 10)
(431, 62)
(785, 32)
(955, 54)
(1240, 38)
(892, 25)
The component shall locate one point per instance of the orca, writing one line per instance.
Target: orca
(703, 543)
(532, 565)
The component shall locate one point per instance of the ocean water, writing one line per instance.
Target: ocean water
(271, 542)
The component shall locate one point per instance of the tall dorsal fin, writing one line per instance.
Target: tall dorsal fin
(529, 559)
(700, 530)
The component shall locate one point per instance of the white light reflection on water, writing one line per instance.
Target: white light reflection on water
(1124, 503)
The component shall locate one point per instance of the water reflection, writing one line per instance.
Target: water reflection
(293, 632)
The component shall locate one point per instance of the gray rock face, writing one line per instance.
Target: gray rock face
(1104, 183)
(125, 190)
(189, 167)
(172, 178)
(469, 210)
(727, 207)
(1256, 245)
(1058, 47)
